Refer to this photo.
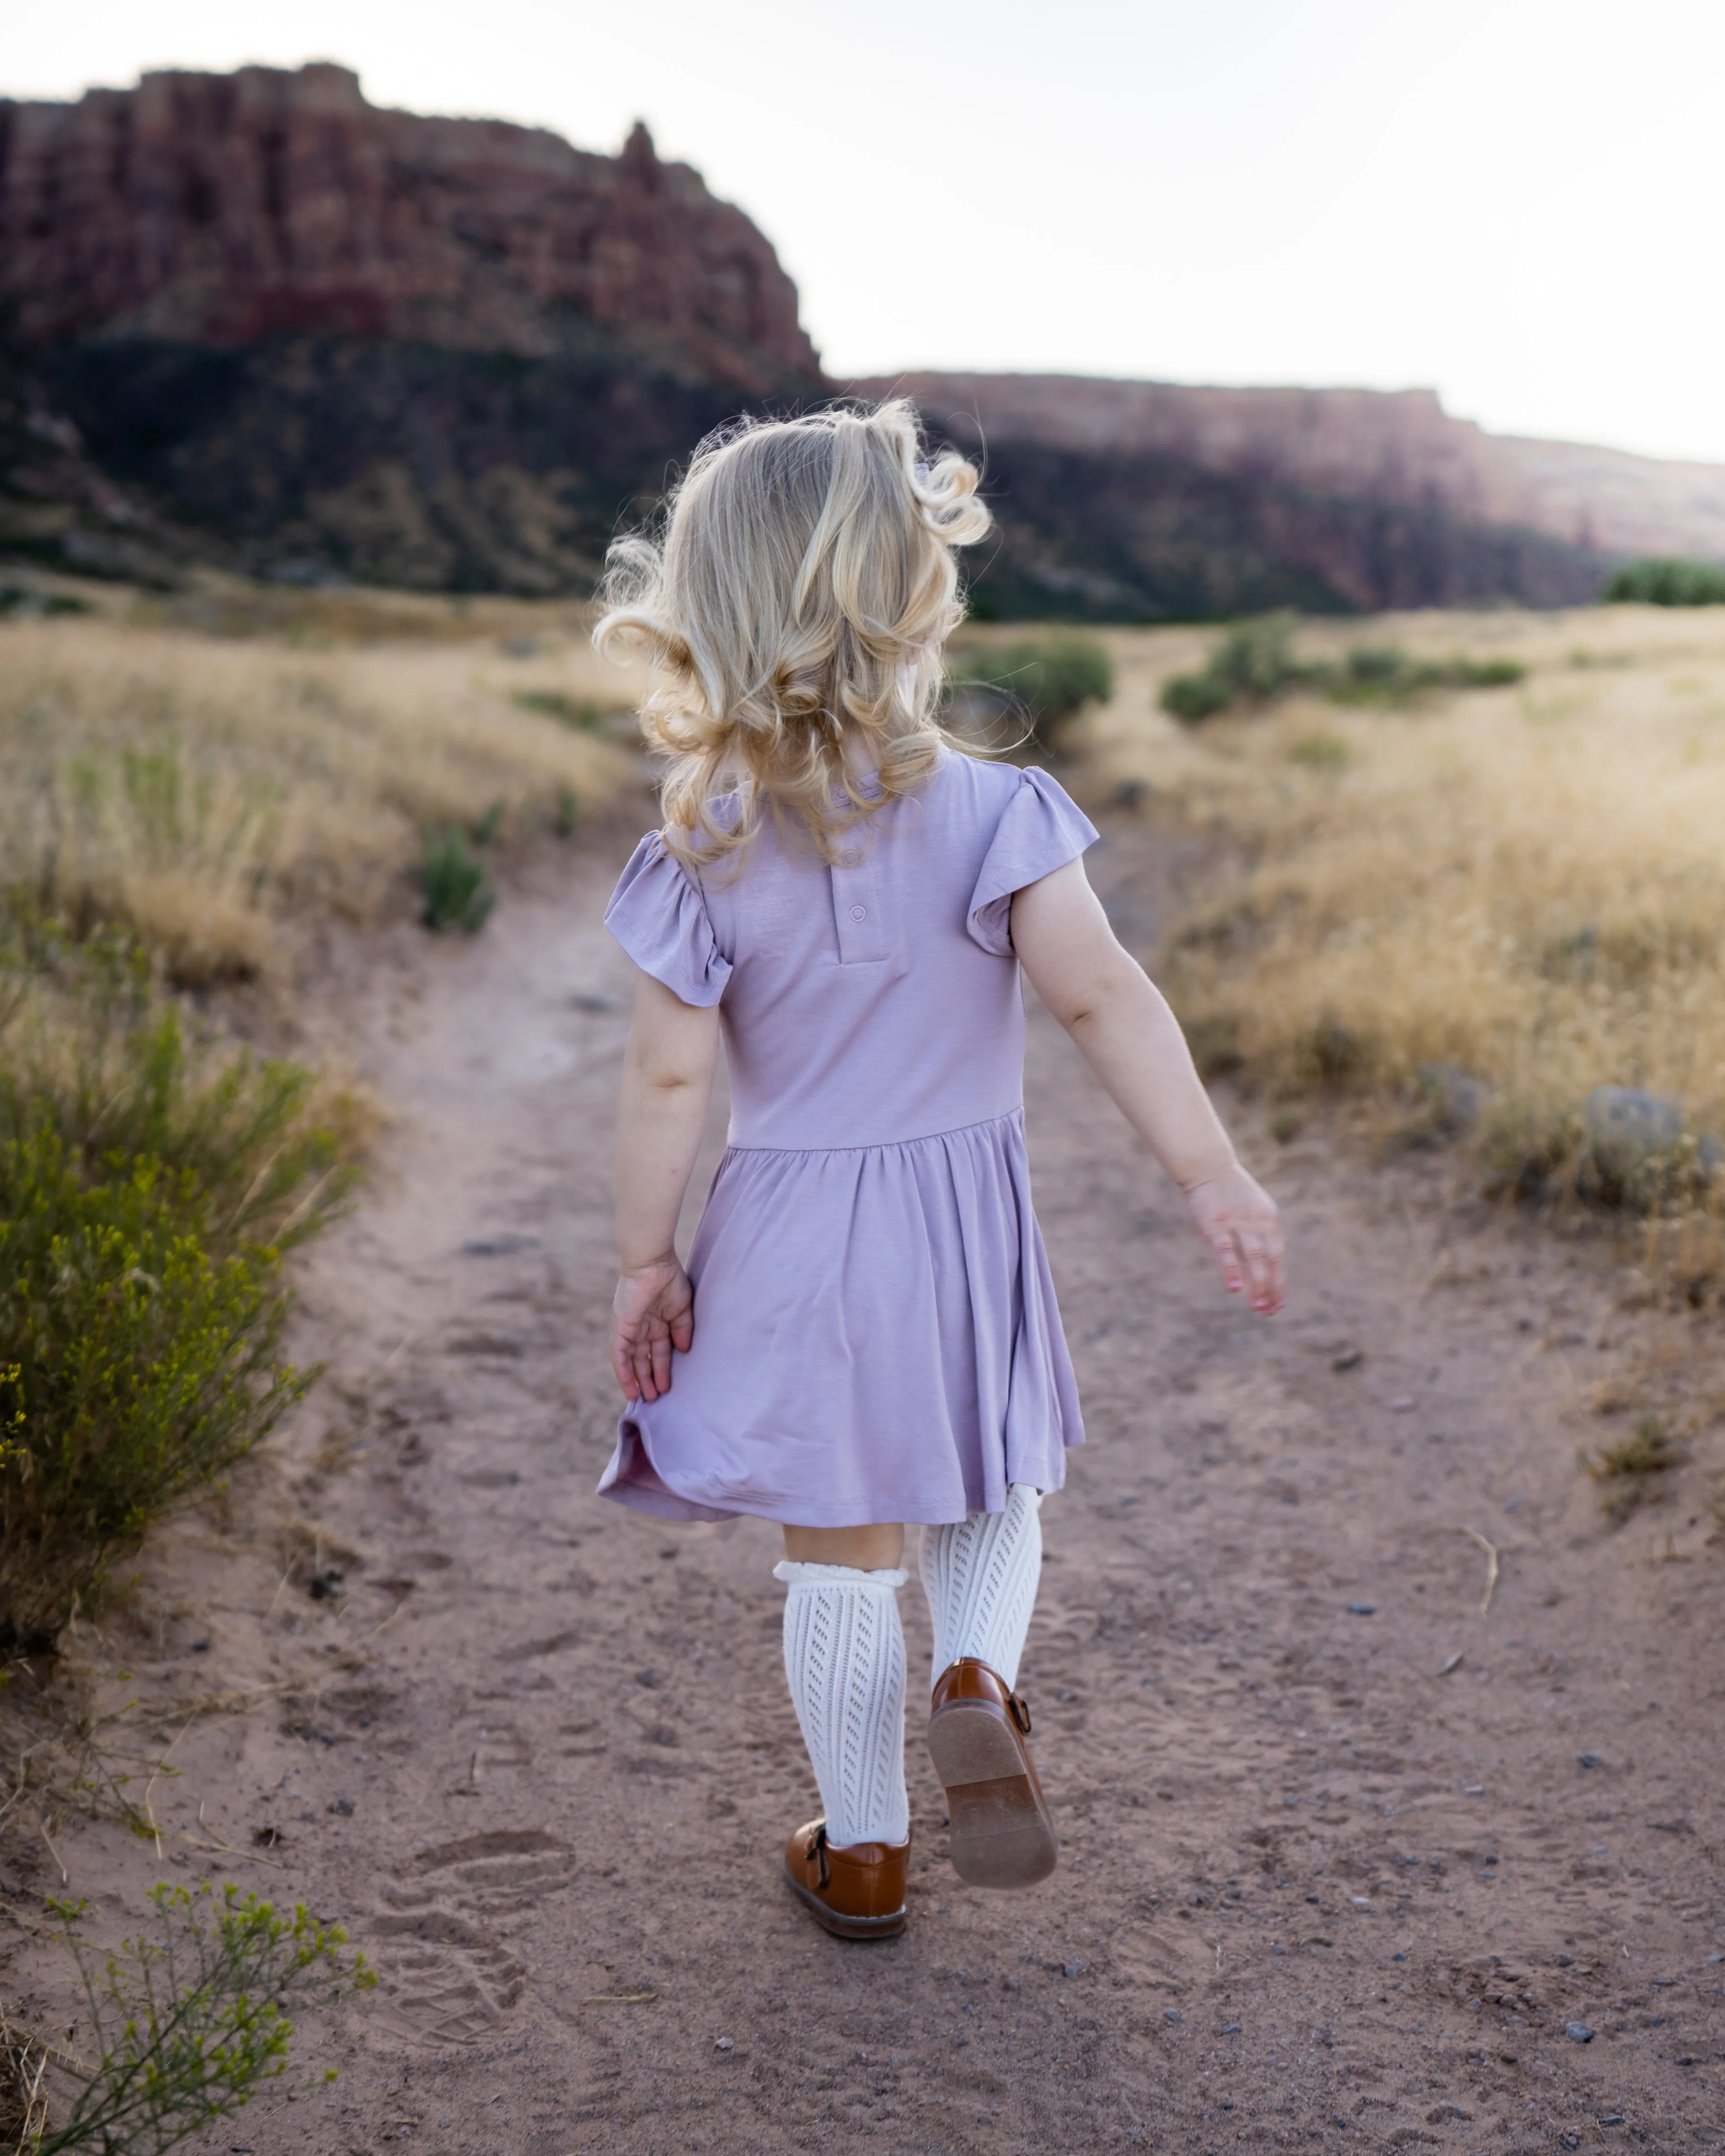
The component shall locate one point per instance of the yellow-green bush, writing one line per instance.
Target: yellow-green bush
(148, 1188)
(138, 1366)
(189, 2020)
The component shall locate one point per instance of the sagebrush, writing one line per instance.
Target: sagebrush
(92, 1052)
(149, 1187)
(456, 886)
(1035, 687)
(1254, 663)
(138, 1366)
(190, 2020)
(1669, 582)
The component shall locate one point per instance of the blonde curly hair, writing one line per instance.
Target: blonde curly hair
(795, 612)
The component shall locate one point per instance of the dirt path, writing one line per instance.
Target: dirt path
(1315, 1894)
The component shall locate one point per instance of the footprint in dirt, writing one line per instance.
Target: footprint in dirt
(448, 1968)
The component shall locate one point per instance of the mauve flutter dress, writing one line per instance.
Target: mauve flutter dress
(876, 1332)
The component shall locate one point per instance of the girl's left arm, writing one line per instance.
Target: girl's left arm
(661, 1117)
(1133, 1043)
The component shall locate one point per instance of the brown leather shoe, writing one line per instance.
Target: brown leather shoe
(855, 1893)
(1002, 1833)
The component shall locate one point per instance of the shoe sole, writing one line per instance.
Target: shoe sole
(1002, 1834)
(837, 1923)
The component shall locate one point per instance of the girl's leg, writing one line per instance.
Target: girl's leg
(869, 1549)
(844, 1661)
(981, 1578)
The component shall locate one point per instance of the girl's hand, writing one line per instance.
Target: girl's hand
(1241, 1223)
(652, 1312)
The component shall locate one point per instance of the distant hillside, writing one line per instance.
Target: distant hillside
(1132, 536)
(253, 319)
(1156, 491)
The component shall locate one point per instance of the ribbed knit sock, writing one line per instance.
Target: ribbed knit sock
(981, 1578)
(844, 1661)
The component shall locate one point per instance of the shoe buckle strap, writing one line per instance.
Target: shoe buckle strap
(1019, 1710)
(818, 1848)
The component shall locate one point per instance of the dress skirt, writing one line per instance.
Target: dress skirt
(876, 1339)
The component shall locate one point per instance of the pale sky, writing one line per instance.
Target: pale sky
(1515, 202)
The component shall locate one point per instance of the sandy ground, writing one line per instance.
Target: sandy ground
(1343, 1855)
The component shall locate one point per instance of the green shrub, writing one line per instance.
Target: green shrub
(1668, 582)
(580, 714)
(1192, 698)
(458, 891)
(1488, 673)
(148, 1188)
(1255, 659)
(1045, 683)
(32, 605)
(1254, 663)
(1377, 665)
(187, 2025)
(1385, 674)
(138, 1367)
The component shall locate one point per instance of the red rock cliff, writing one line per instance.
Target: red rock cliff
(220, 209)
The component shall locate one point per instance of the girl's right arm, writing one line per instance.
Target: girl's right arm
(661, 1117)
(1133, 1043)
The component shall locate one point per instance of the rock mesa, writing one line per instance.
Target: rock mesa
(228, 209)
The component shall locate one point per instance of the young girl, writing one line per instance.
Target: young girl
(865, 1334)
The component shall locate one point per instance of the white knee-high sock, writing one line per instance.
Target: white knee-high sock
(981, 1578)
(845, 1660)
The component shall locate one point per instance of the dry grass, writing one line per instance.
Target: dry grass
(1632, 1472)
(1526, 883)
(23, 2106)
(208, 789)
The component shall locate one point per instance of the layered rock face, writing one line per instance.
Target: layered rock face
(230, 209)
(269, 324)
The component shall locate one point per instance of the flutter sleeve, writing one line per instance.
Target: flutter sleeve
(1041, 829)
(658, 915)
